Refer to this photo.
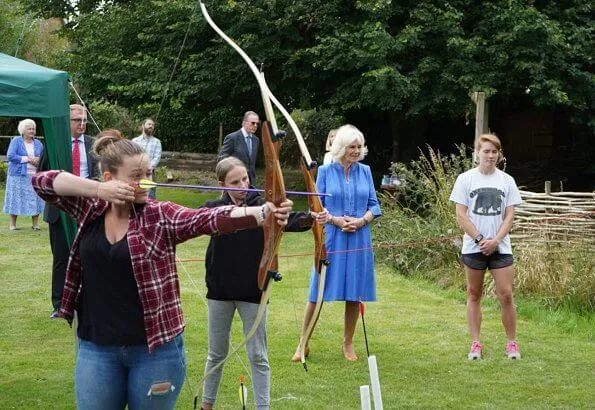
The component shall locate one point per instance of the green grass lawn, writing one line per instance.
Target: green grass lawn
(417, 331)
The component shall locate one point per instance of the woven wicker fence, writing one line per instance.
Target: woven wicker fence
(555, 217)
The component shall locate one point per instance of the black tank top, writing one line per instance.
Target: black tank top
(110, 312)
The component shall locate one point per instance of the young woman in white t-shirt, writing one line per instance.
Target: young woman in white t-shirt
(485, 198)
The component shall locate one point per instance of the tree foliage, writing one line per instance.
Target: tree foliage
(25, 36)
(69, 9)
(401, 60)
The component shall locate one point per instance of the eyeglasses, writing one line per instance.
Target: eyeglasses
(79, 120)
(254, 122)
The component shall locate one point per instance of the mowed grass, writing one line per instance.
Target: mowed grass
(417, 332)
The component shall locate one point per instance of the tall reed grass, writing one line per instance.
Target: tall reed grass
(418, 235)
(560, 275)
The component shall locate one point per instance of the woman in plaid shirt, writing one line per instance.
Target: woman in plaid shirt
(121, 276)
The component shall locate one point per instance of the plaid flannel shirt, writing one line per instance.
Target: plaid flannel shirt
(154, 230)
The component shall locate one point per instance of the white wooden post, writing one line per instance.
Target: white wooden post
(364, 394)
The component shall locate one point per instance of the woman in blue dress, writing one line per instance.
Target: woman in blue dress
(23, 159)
(348, 213)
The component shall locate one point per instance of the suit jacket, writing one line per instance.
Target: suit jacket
(234, 145)
(51, 214)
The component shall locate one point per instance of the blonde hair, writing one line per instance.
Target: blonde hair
(225, 165)
(24, 124)
(346, 135)
(494, 140)
(111, 149)
(331, 134)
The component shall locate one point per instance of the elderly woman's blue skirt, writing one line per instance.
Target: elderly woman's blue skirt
(20, 198)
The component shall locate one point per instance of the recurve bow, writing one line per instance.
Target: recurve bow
(274, 191)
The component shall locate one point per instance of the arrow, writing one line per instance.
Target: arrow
(243, 392)
(147, 184)
(372, 365)
(362, 310)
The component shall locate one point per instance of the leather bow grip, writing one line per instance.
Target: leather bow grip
(275, 193)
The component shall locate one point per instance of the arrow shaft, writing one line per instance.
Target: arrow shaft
(361, 311)
(216, 188)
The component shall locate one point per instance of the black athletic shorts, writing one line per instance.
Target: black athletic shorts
(479, 261)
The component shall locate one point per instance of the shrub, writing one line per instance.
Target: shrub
(413, 244)
(427, 182)
(421, 216)
(314, 126)
(3, 172)
(196, 177)
(111, 115)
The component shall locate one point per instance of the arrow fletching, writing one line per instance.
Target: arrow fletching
(243, 393)
(146, 184)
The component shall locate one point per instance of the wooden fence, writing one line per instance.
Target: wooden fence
(555, 217)
(188, 161)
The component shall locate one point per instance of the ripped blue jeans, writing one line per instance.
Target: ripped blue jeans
(111, 377)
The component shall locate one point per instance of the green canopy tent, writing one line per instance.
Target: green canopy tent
(30, 90)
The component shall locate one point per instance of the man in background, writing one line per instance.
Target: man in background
(243, 144)
(152, 146)
(84, 164)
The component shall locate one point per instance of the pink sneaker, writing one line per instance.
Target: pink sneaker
(512, 350)
(475, 352)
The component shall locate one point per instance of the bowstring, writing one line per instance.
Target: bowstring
(297, 324)
(160, 299)
(160, 302)
(202, 297)
(195, 287)
(167, 85)
(21, 36)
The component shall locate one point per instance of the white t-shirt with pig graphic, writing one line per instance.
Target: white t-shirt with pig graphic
(486, 198)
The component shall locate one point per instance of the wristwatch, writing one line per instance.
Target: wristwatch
(478, 239)
(262, 214)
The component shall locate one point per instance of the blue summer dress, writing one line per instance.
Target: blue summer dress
(350, 274)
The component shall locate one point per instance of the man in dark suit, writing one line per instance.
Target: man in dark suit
(243, 144)
(84, 163)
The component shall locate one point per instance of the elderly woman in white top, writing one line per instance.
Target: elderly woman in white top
(23, 159)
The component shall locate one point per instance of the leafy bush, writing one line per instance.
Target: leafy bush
(412, 244)
(3, 172)
(427, 182)
(195, 177)
(314, 126)
(110, 115)
(421, 216)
